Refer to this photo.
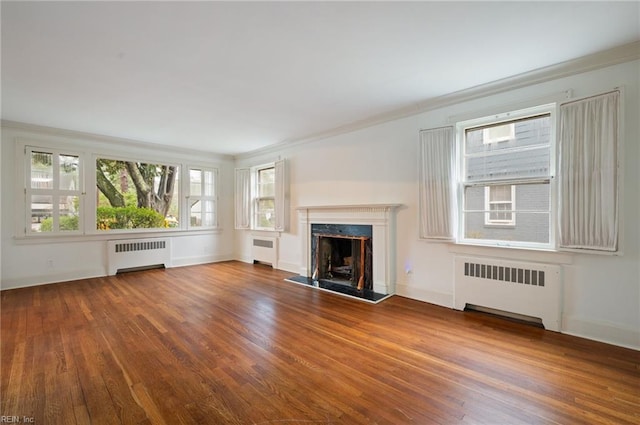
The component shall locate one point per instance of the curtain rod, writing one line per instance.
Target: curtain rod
(581, 99)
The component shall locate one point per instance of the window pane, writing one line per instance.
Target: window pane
(195, 213)
(266, 179)
(41, 213)
(498, 133)
(208, 216)
(68, 207)
(526, 155)
(41, 170)
(195, 184)
(209, 183)
(69, 172)
(135, 195)
(500, 193)
(265, 216)
(529, 222)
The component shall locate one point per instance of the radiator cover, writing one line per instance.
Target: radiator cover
(265, 250)
(524, 288)
(131, 253)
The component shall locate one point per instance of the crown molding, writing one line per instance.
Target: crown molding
(79, 135)
(617, 55)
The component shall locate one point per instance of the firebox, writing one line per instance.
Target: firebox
(342, 254)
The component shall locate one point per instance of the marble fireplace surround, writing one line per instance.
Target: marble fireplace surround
(381, 218)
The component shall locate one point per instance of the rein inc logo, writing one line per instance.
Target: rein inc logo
(17, 420)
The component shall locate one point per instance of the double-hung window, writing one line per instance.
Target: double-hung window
(264, 201)
(261, 197)
(505, 179)
(53, 191)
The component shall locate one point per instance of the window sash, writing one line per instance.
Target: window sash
(57, 200)
(202, 198)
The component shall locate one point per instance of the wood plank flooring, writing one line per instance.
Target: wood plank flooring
(232, 343)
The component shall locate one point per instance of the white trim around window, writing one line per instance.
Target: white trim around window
(56, 185)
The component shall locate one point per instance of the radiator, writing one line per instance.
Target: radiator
(134, 253)
(264, 250)
(522, 288)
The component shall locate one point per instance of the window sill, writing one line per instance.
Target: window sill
(512, 253)
(265, 232)
(107, 236)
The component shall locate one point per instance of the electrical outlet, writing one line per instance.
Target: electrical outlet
(50, 263)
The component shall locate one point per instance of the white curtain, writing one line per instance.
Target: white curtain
(243, 198)
(281, 198)
(437, 198)
(588, 173)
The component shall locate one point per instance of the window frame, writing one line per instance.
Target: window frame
(202, 197)
(87, 205)
(461, 182)
(55, 192)
(257, 197)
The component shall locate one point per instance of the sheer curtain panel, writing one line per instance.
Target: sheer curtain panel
(437, 168)
(243, 198)
(281, 196)
(588, 173)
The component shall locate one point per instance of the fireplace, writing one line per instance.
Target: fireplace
(342, 254)
(346, 242)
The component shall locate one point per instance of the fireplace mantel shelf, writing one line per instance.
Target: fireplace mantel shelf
(350, 207)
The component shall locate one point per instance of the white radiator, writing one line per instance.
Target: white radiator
(523, 288)
(133, 253)
(264, 249)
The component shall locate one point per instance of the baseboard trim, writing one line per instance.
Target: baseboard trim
(289, 267)
(609, 333)
(26, 282)
(201, 259)
(432, 297)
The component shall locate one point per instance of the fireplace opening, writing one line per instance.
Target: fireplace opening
(342, 254)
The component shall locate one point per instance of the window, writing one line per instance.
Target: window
(129, 196)
(502, 162)
(202, 198)
(261, 197)
(53, 192)
(507, 193)
(500, 202)
(136, 195)
(264, 201)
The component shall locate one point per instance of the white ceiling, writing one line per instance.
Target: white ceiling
(232, 77)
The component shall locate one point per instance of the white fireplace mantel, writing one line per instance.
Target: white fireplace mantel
(381, 217)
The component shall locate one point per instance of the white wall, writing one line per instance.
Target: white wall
(28, 261)
(601, 296)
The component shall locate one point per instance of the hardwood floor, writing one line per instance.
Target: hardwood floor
(232, 343)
